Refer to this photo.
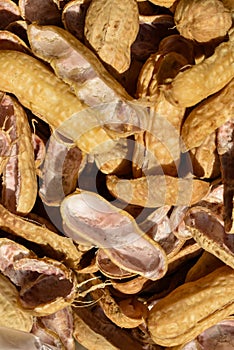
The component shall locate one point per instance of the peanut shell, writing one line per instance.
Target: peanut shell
(111, 33)
(193, 307)
(202, 20)
(197, 82)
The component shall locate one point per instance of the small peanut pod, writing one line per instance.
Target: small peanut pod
(191, 19)
(196, 83)
(38, 89)
(193, 307)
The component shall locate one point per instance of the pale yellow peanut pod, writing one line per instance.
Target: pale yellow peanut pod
(197, 82)
(202, 20)
(38, 89)
(157, 190)
(208, 116)
(111, 26)
(64, 247)
(192, 307)
(11, 314)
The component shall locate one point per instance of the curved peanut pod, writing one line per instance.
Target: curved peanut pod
(193, 307)
(210, 234)
(186, 88)
(9, 12)
(158, 190)
(110, 37)
(207, 117)
(88, 215)
(19, 175)
(49, 98)
(11, 314)
(225, 147)
(50, 242)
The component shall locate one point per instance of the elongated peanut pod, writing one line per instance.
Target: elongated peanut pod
(47, 239)
(204, 79)
(157, 190)
(38, 89)
(193, 307)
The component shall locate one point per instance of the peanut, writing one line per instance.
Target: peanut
(197, 82)
(193, 307)
(191, 19)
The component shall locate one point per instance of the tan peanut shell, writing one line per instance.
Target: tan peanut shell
(110, 32)
(210, 235)
(11, 314)
(208, 116)
(23, 156)
(202, 20)
(38, 89)
(192, 307)
(40, 235)
(157, 190)
(197, 82)
(92, 340)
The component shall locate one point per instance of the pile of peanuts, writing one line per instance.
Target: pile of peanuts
(117, 174)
